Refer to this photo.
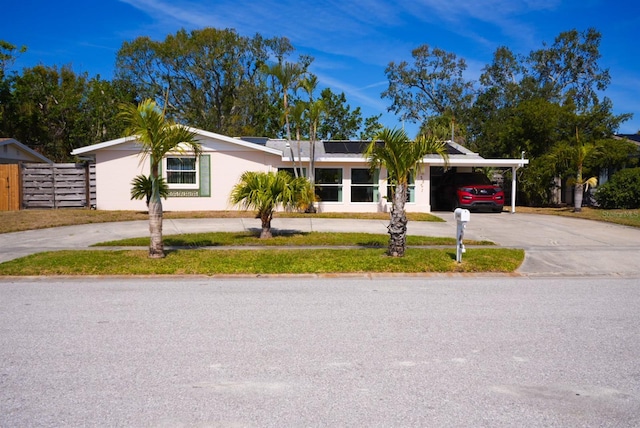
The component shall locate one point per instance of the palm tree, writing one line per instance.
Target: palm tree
(266, 191)
(315, 109)
(288, 75)
(143, 187)
(158, 137)
(402, 158)
(567, 155)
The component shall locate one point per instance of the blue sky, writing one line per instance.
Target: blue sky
(352, 41)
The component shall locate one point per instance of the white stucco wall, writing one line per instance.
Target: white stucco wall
(422, 197)
(116, 167)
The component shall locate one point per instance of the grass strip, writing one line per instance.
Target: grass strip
(215, 239)
(274, 261)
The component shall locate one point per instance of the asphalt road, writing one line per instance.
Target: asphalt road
(428, 352)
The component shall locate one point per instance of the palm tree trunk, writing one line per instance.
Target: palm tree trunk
(266, 226)
(398, 223)
(578, 194)
(578, 191)
(156, 246)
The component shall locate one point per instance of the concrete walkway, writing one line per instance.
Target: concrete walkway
(554, 245)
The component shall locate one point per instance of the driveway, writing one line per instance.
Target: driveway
(554, 245)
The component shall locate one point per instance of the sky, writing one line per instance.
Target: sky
(352, 41)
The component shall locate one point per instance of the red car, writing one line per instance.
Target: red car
(470, 190)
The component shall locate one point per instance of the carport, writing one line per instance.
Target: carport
(467, 161)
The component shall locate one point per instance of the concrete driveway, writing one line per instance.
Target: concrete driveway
(554, 245)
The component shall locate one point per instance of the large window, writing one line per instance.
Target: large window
(329, 184)
(181, 172)
(411, 190)
(364, 185)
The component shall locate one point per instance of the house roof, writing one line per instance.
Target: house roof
(344, 151)
(631, 137)
(351, 151)
(37, 157)
(199, 132)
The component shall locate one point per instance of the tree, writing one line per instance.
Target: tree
(158, 137)
(339, 121)
(213, 78)
(534, 103)
(288, 76)
(8, 55)
(432, 86)
(142, 188)
(402, 158)
(48, 110)
(266, 191)
(55, 110)
(568, 70)
(567, 155)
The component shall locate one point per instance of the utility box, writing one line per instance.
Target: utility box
(462, 217)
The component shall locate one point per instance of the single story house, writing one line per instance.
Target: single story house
(14, 152)
(344, 182)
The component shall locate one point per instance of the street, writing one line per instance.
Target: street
(430, 351)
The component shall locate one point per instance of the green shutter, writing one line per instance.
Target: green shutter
(205, 175)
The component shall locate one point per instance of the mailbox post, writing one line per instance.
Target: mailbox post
(462, 216)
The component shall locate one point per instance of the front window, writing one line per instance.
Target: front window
(181, 172)
(364, 185)
(329, 184)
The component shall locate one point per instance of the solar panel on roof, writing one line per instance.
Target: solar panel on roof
(345, 147)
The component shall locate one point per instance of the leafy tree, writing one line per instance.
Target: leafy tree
(339, 122)
(8, 55)
(371, 127)
(158, 137)
(142, 188)
(568, 70)
(432, 86)
(47, 110)
(266, 191)
(211, 78)
(402, 158)
(534, 104)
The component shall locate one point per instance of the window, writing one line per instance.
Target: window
(329, 184)
(411, 190)
(364, 185)
(181, 172)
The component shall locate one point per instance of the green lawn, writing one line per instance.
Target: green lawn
(256, 262)
(216, 239)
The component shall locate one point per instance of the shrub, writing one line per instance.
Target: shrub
(622, 191)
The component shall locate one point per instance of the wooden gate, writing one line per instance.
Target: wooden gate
(9, 187)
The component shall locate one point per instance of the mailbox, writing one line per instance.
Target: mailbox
(462, 216)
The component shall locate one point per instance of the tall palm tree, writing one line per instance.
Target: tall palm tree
(402, 158)
(288, 75)
(266, 191)
(158, 137)
(315, 109)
